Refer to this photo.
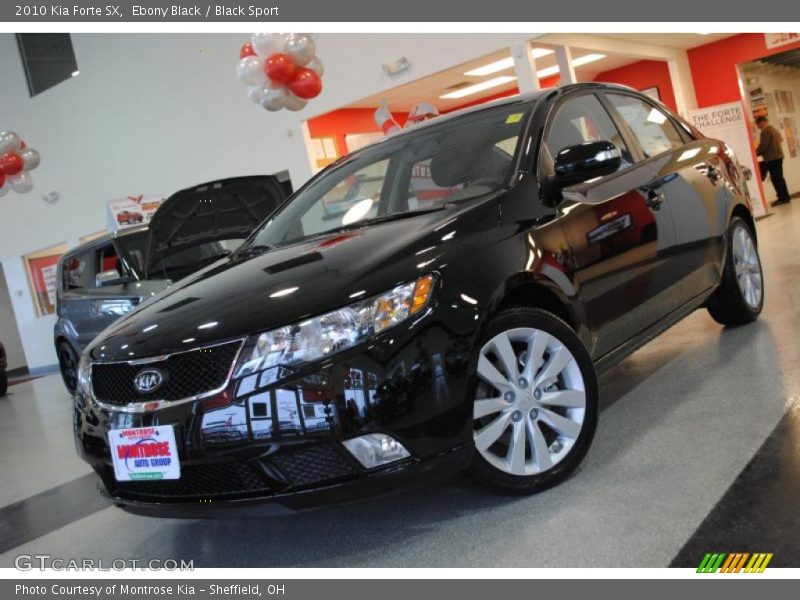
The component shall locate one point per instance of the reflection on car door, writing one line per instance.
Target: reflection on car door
(692, 176)
(618, 228)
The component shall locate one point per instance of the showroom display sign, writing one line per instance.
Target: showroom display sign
(775, 40)
(131, 211)
(727, 122)
(144, 453)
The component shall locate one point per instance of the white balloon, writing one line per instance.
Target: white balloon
(21, 183)
(294, 103)
(315, 65)
(9, 142)
(30, 159)
(275, 97)
(268, 43)
(3, 190)
(301, 48)
(256, 93)
(250, 70)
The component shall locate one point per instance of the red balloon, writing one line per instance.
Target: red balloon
(247, 50)
(10, 163)
(305, 83)
(279, 68)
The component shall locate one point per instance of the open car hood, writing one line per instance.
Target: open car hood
(220, 210)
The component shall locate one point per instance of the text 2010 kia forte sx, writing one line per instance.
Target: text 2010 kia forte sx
(436, 301)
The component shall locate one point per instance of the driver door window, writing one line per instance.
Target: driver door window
(580, 120)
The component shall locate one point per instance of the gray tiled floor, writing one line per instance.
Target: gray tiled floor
(681, 418)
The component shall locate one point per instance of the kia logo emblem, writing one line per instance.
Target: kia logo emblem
(148, 381)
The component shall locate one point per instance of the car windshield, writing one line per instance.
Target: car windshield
(442, 163)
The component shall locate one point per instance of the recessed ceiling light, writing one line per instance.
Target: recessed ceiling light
(586, 59)
(478, 87)
(576, 62)
(504, 63)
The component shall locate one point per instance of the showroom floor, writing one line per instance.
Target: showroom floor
(698, 449)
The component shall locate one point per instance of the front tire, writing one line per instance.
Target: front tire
(68, 364)
(536, 405)
(3, 384)
(740, 297)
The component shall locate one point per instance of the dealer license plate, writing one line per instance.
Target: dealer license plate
(144, 453)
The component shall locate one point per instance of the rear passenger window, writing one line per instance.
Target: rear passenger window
(78, 271)
(650, 125)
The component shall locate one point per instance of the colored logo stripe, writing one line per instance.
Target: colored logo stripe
(734, 562)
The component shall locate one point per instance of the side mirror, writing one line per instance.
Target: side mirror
(110, 277)
(590, 160)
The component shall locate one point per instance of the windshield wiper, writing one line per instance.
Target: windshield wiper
(384, 219)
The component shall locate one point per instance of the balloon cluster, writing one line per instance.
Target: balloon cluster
(16, 159)
(281, 71)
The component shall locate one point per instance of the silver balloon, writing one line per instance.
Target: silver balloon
(250, 70)
(301, 48)
(268, 43)
(21, 183)
(30, 159)
(295, 103)
(274, 97)
(315, 65)
(9, 142)
(256, 93)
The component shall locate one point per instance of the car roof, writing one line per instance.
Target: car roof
(122, 233)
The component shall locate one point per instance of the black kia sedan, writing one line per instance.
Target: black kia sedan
(450, 314)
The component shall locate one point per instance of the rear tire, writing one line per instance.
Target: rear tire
(740, 296)
(68, 364)
(536, 405)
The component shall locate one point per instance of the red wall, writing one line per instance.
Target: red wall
(642, 75)
(713, 66)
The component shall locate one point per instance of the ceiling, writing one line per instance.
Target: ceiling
(404, 97)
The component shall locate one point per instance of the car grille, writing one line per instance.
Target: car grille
(198, 482)
(291, 468)
(187, 374)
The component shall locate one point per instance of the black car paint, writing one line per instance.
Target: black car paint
(515, 246)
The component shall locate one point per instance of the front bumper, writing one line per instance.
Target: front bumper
(279, 445)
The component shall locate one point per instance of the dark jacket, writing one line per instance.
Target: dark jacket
(769, 146)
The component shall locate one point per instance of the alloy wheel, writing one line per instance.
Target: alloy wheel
(747, 266)
(531, 401)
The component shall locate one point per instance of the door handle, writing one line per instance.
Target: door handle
(654, 199)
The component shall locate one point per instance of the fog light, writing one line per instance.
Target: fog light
(376, 449)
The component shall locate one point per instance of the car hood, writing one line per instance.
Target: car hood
(235, 298)
(218, 210)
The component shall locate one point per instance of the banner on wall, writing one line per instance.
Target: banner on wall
(131, 211)
(774, 40)
(727, 122)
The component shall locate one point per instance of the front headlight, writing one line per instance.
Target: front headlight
(85, 377)
(335, 331)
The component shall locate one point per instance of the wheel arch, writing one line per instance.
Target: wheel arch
(741, 211)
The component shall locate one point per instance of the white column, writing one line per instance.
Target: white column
(564, 61)
(680, 76)
(525, 67)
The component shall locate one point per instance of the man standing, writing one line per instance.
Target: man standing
(769, 147)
